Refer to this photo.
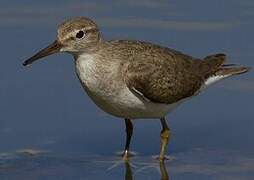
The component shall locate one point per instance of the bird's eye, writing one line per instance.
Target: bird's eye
(80, 34)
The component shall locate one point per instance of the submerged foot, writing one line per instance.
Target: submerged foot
(126, 154)
(165, 158)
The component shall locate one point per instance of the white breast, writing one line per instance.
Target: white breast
(102, 83)
(86, 71)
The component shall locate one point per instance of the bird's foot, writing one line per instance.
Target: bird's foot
(126, 154)
(165, 158)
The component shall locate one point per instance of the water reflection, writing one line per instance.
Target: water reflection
(162, 170)
(196, 164)
(128, 171)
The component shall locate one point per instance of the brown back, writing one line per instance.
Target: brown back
(164, 75)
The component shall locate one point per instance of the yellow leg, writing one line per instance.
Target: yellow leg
(165, 135)
(129, 130)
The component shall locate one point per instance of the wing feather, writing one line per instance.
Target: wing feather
(161, 80)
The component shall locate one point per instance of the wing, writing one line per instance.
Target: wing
(163, 77)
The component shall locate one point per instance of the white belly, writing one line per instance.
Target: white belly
(109, 92)
(130, 105)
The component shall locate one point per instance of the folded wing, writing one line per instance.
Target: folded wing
(169, 77)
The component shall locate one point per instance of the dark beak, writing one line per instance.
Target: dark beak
(51, 49)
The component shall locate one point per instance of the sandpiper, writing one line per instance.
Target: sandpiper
(135, 79)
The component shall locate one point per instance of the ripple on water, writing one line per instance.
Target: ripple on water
(195, 164)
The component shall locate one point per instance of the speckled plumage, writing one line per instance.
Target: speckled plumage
(132, 79)
(161, 74)
(135, 79)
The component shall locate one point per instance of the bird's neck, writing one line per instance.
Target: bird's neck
(91, 48)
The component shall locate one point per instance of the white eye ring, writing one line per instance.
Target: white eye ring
(80, 34)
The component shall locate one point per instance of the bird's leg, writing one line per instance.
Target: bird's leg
(129, 130)
(165, 134)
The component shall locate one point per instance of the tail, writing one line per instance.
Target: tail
(219, 70)
(228, 70)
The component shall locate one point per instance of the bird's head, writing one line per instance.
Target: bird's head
(75, 35)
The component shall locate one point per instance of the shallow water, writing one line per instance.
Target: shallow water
(44, 108)
(196, 164)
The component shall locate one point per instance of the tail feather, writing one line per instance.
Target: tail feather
(228, 65)
(219, 68)
(223, 71)
(215, 61)
(211, 64)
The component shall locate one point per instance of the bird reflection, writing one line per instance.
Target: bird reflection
(128, 171)
(133, 168)
(161, 168)
(163, 171)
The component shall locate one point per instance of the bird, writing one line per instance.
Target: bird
(132, 79)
